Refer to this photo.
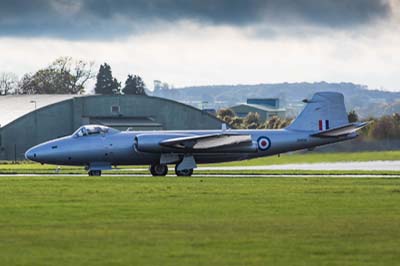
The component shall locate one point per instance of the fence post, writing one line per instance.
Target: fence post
(15, 152)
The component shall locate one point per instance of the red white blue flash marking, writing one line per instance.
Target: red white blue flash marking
(323, 125)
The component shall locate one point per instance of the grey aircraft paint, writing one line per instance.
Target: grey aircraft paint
(98, 147)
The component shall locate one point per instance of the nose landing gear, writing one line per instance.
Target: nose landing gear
(94, 173)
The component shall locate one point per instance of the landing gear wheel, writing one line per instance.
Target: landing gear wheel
(184, 172)
(94, 173)
(159, 169)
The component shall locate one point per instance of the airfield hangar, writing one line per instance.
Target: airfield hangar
(265, 107)
(26, 120)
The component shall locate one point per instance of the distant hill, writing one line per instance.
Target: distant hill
(357, 97)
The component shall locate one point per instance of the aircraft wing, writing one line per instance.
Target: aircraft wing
(340, 131)
(209, 141)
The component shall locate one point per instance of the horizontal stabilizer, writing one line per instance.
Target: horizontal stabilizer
(202, 142)
(340, 131)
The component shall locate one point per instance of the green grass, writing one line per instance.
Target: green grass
(199, 221)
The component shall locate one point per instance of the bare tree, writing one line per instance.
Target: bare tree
(63, 76)
(8, 83)
(74, 72)
(81, 72)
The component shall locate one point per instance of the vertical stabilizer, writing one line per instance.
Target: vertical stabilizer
(324, 111)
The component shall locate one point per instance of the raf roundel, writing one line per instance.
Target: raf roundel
(264, 143)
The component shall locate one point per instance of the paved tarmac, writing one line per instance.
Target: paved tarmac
(350, 166)
(344, 166)
(216, 175)
(338, 166)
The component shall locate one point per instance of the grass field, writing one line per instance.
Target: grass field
(35, 168)
(199, 221)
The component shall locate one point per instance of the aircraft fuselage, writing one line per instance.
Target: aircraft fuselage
(119, 148)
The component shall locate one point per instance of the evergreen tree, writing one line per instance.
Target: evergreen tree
(105, 83)
(352, 116)
(134, 85)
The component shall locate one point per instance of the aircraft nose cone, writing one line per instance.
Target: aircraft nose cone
(30, 154)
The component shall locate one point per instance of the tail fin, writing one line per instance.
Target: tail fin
(324, 111)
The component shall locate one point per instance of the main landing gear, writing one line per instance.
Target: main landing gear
(94, 173)
(162, 170)
(183, 172)
(159, 169)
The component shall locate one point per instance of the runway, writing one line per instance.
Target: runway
(212, 175)
(339, 166)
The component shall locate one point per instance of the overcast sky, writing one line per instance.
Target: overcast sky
(204, 42)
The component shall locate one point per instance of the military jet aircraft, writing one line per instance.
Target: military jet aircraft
(323, 121)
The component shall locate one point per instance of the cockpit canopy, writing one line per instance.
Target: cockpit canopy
(89, 130)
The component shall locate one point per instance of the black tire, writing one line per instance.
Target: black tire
(159, 169)
(94, 173)
(185, 172)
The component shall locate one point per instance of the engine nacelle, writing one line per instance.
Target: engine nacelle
(151, 143)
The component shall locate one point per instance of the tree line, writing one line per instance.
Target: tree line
(68, 76)
(384, 128)
(251, 121)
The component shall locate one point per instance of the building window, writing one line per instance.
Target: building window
(115, 109)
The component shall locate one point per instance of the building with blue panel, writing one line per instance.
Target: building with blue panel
(265, 107)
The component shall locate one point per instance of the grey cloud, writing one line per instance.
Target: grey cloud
(100, 19)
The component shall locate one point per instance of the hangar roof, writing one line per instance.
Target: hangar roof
(261, 107)
(15, 106)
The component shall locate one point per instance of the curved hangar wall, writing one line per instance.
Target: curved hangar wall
(121, 112)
